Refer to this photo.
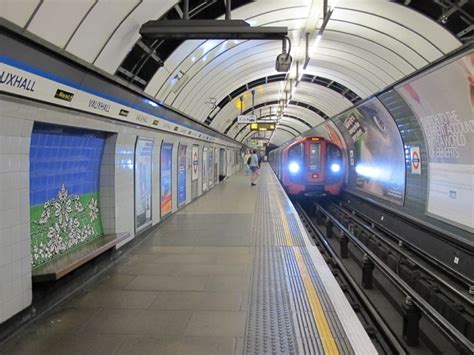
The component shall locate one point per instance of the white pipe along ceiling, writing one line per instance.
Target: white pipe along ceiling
(361, 47)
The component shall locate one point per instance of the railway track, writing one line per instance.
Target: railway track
(427, 286)
(383, 337)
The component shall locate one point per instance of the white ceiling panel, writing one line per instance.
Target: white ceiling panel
(127, 34)
(279, 137)
(98, 26)
(56, 20)
(396, 30)
(387, 40)
(347, 42)
(18, 11)
(358, 65)
(409, 18)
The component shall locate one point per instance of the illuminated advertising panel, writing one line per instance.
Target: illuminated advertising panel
(195, 159)
(143, 176)
(210, 167)
(443, 101)
(204, 169)
(166, 186)
(377, 151)
(182, 174)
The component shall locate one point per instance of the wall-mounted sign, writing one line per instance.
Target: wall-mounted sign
(246, 118)
(64, 95)
(415, 160)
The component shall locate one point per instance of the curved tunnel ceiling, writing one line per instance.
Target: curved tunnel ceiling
(365, 46)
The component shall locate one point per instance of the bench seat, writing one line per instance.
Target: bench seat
(69, 262)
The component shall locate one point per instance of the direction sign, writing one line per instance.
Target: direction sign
(246, 119)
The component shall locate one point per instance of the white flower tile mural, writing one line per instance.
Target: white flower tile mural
(64, 184)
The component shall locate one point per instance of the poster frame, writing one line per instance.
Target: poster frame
(185, 146)
(149, 223)
(194, 175)
(427, 167)
(171, 178)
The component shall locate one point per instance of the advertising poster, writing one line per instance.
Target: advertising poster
(143, 176)
(195, 159)
(210, 166)
(204, 169)
(216, 168)
(182, 175)
(166, 166)
(447, 122)
(378, 153)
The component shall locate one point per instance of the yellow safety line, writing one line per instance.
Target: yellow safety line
(319, 316)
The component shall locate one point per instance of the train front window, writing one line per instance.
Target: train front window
(315, 157)
(334, 158)
(295, 158)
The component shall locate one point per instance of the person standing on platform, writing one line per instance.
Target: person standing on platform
(246, 162)
(254, 167)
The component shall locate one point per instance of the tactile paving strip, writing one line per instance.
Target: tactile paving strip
(270, 328)
(280, 318)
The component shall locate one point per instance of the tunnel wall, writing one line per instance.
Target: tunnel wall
(412, 188)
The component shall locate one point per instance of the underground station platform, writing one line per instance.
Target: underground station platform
(232, 273)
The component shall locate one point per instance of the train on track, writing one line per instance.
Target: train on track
(309, 166)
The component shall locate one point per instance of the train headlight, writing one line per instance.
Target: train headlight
(294, 167)
(335, 168)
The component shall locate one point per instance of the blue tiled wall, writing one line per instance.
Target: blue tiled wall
(63, 155)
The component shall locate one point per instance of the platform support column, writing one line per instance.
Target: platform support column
(344, 246)
(411, 319)
(367, 272)
(329, 226)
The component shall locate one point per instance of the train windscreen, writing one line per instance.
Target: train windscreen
(315, 157)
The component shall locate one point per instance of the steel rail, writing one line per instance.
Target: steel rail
(453, 334)
(387, 333)
(420, 263)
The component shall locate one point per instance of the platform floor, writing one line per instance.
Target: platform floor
(232, 273)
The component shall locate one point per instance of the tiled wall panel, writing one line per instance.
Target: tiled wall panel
(17, 117)
(64, 189)
(15, 259)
